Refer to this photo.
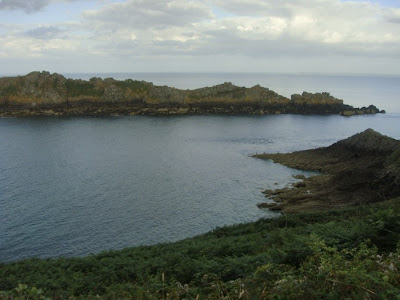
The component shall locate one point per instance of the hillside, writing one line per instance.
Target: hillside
(361, 169)
(42, 93)
(350, 253)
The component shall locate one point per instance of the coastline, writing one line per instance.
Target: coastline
(361, 169)
(129, 110)
(347, 250)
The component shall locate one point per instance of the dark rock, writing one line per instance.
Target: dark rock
(361, 169)
(369, 141)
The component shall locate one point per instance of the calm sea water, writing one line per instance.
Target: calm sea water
(75, 186)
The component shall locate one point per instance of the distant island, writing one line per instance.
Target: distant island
(43, 93)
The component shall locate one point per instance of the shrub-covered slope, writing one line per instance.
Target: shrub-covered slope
(351, 253)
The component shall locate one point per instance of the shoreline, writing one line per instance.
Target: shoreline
(361, 169)
(279, 257)
(344, 251)
(129, 110)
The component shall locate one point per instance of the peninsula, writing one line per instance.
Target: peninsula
(42, 93)
(361, 169)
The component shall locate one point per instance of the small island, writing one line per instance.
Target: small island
(43, 93)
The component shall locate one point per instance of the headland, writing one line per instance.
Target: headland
(43, 93)
(361, 169)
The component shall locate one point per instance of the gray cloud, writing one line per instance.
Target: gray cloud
(28, 6)
(394, 19)
(147, 14)
(44, 32)
(253, 7)
(393, 16)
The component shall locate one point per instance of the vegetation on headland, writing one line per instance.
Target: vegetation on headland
(361, 169)
(351, 251)
(42, 93)
(348, 253)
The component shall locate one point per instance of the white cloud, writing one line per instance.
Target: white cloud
(266, 30)
(14, 47)
(326, 21)
(145, 14)
(349, 25)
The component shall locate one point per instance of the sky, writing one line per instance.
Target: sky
(269, 36)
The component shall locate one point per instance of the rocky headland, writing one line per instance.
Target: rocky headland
(42, 93)
(361, 169)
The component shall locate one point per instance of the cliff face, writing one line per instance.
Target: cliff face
(42, 92)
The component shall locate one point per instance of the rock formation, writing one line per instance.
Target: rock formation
(361, 169)
(41, 93)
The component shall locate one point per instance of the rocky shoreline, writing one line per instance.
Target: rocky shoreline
(44, 94)
(361, 169)
(129, 110)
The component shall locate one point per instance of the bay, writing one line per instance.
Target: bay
(76, 186)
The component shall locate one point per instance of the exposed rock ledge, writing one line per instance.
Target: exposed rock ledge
(362, 169)
(42, 93)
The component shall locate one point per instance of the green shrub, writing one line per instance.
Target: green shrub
(350, 253)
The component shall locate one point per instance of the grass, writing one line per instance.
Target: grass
(351, 252)
(11, 89)
(134, 85)
(76, 88)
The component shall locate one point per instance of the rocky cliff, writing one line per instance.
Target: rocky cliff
(41, 93)
(361, 169)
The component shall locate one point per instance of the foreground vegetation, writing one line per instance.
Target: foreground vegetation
(353, 252)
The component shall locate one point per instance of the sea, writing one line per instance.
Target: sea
(76, 186)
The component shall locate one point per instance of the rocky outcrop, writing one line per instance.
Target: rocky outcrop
(42, 93)
(35, 88)
(367, 142)
(372, 109)
(361, 169)
(315, 99)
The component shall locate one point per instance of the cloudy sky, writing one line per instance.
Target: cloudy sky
(327, 36)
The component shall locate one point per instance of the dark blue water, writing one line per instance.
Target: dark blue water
(75, 186)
